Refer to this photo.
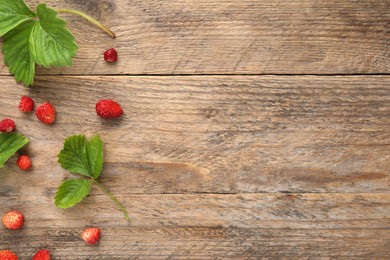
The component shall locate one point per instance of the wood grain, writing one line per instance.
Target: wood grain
(231, 37)
(215, 166)
(246, 226)
(200, 163)
(223, 134)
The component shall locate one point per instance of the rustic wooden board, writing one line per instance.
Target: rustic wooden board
(220, 226)
(201, 164)
(230, 36)
(215, 167)
(223, 134)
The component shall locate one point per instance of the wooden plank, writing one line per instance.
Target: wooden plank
(229, 36)
(245, 226)
(224, 134)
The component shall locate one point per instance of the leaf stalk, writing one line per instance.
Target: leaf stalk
(90, 19)
(107, 191)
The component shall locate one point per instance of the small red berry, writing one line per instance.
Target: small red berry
(24, 162)
(7, 126)
(42, 255)
(8, 255)
(108, 108)
(111, 55)
(26, 104)
(13, 220)
(46, 113)
(91, 235)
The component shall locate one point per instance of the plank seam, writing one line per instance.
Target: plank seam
(208, 75)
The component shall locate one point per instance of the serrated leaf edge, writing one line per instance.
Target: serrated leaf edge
(56, 203)
(24, 140)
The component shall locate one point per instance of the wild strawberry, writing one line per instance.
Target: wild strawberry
(42, 255)
(13, 220)
(7, 126)
(8, 255)
(24, 162)
(108, 108)
(91, 235)
(111, 55)
(46, 113)
(26, 104)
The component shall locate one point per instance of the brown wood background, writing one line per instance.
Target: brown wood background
(252, 130)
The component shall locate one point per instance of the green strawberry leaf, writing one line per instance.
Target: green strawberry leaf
(71, 192)
(51, 43)
(82, 156)
(45, 42)
(37, 38)
(94, 152)
(72, 156)
(9, 145)
(12, 14)
(17, 54)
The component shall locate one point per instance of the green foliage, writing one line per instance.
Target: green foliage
(13, 13)
(71, 192)
(17, 54)
(9, 145)
(52, 44)
(33, 38)
(82, 156)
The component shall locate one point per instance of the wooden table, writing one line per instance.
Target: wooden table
(252, 129)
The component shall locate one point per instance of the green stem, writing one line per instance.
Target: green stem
(90, 19)
(107, 191)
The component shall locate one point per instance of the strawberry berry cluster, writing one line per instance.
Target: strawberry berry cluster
(14, 220)
(41, 28)
(46, 113)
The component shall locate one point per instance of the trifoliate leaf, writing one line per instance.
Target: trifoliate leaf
(13, 13)
(81, 156)
(51, 43)
(71, 192)
(84, 157)
(9, 145)
(17, 54)
(28, 42)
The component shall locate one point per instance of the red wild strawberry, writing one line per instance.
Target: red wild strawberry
(46, 113)
(26, 104)
(8, 255)
(24, 162)
(111, 55)
(108, 108)
(91, 235)
(13, 220)
(42, 255)
(7, 126)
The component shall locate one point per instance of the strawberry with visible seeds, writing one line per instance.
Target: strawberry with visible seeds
(8, 255)
(13, 220)
(7, 126)
(111, 55)
(91, 235)
(46, 113)
(26, 104)
(42, 255)
(24, 162)
(108, 108)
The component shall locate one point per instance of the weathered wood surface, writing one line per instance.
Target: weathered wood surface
(201, 164)
(221, 134)
(215, 167)
(175, 226)
(230, 36)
